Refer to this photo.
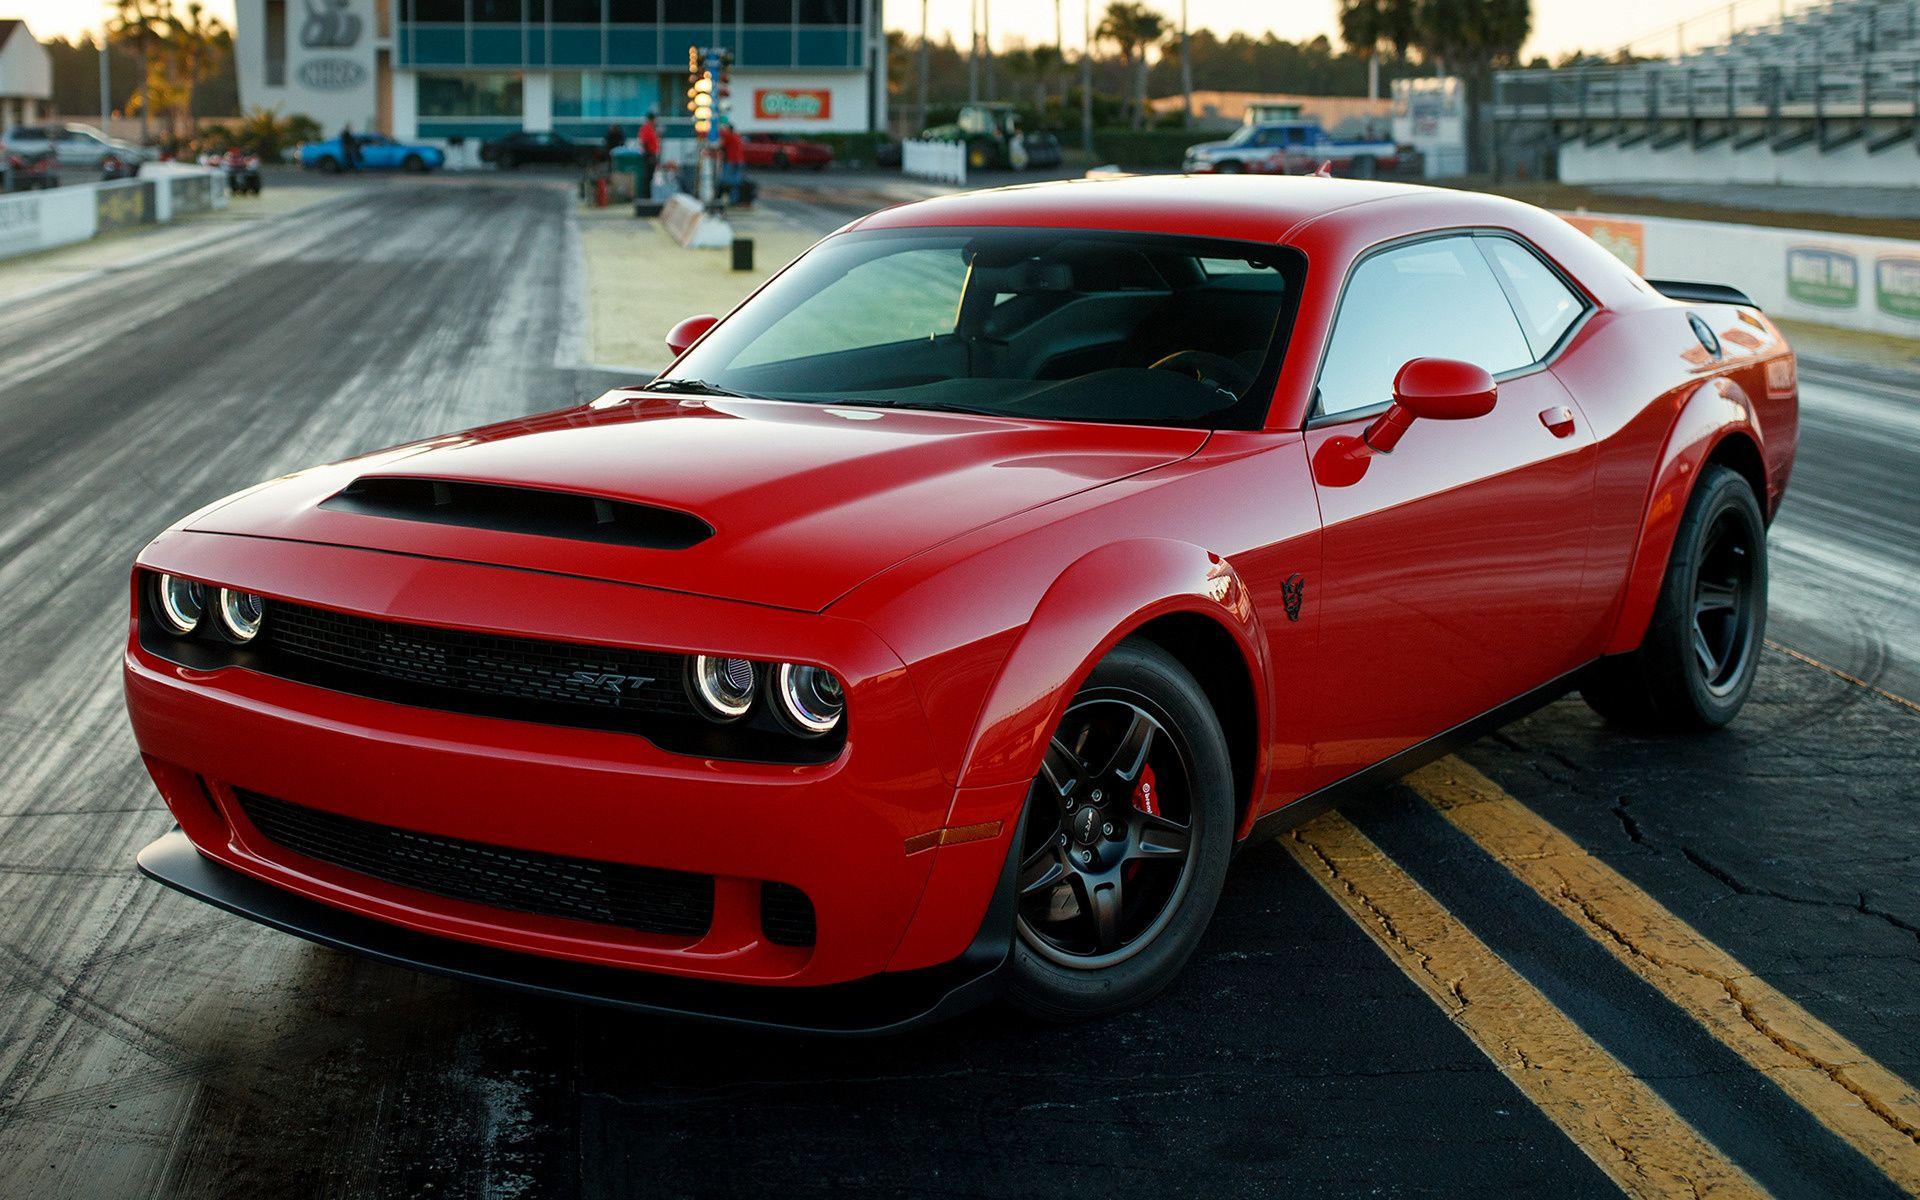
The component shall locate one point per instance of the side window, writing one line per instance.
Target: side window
(1547, 305)
(1434, 299)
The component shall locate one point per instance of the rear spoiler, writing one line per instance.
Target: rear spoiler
(1701, 293)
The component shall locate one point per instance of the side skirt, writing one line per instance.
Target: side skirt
(1287, 816)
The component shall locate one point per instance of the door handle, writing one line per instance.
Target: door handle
(1559, 421)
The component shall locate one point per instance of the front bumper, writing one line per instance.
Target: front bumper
(880, 1004)
(859, 835)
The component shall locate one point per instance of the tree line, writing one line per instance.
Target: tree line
(167, 64)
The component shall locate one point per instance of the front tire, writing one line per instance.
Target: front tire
(413, 164)
(1231, 166)
(1125, 842)
(1695, 668)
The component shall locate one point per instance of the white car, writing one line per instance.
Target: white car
(78, 147)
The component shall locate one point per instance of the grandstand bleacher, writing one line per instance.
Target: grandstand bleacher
(1825, 95)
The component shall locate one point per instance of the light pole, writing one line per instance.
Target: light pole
(1186, 67)
(923, 64)
(1086, 82)
(106, 87)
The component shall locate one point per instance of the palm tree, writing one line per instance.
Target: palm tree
(1047, 61)
(192, 49)
(142, 23)
(1474, 37)
(1186, 69)
(1132, 27)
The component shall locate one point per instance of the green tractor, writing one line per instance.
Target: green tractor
(995, 141)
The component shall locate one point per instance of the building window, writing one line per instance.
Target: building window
(276, 25)
(576, 12)
(693, 12)
(633, 12)
(469, 95)
(824, 12)
(496, 12)
(440, 12)
(767, 12)
(597, 94)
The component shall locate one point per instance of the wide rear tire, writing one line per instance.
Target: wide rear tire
(1125, 842)
(1695, 667)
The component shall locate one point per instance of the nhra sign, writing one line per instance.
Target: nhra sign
(792, 104)
(1829, 278)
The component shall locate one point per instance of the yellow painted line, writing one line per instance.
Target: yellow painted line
(1837, 673)
(1872, 1109)
(1615, 1118)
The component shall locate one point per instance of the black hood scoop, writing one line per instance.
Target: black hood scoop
(509, 509)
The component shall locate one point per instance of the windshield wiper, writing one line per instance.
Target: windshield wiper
(925, 406)
(693, 387)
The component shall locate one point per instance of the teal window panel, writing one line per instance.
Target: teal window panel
(537, 46)
(825, 48)
(633, 46)
(470, 130)
(766, 48)
(679, 37)
(576, 47)
(498, 45)
(439, 45)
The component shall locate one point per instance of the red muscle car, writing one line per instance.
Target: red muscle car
(936, 626)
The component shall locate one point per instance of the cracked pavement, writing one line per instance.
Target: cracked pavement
(152, 1046)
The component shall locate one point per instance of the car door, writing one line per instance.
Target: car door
(1451, 578)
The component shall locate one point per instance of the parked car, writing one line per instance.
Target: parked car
(27, 172)
(520, 148)
(1291, 148)
(79, 148)
(783, 152)
(376, 152)
(940, 621)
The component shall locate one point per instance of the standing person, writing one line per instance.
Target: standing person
(349, 149)
(733, 153)
(649, 155)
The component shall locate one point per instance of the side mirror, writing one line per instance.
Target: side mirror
(1435, 389)
(687, 332)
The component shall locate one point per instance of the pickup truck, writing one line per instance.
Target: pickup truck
(1290, 147)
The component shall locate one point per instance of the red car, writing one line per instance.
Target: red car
(939, 623)
(782, 152)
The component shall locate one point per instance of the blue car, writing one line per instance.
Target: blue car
(375, 151)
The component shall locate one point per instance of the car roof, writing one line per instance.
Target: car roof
(1243, 207)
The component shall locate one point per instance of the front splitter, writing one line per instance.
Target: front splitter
(882, 1004)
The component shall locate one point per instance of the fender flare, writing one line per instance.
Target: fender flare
(1098, 601)
(1713, 412)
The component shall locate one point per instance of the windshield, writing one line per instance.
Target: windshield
(1052, 324)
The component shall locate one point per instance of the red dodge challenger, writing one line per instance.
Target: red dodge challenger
(940, 622)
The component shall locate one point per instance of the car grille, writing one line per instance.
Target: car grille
(647, 899)
(528, 678)
(786, 915)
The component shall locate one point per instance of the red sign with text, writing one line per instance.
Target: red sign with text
(792, 104)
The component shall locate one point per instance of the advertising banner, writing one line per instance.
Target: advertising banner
(119, 206)
(792, 104)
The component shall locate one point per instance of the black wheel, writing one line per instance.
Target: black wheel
(1231, 166)
(980, 156)
(1125, 843)
(1363, 168)
(1695, 667)
(329, 166)
(508, 160)
(781, 161)
(413, 164)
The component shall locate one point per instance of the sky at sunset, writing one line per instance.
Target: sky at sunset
(1559, 25)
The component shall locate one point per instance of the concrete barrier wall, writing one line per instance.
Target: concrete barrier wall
(1806, 165)
(1849, 282)
(943, 161)
(31, 221)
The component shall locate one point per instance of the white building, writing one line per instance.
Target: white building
(439, 70)
(26, 75)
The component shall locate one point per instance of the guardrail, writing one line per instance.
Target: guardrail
(943, 161)
(60, 216)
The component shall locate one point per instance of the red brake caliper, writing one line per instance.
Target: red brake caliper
(1146, 798)
(1146, 795)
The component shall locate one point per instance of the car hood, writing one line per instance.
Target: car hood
(1205, 148)
(804, 501)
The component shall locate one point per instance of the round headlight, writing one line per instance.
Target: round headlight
(811, 698)
(240, 614)
(181, 602)
(723, 685)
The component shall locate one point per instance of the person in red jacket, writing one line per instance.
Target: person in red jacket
(733, 154)
(649, 155)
